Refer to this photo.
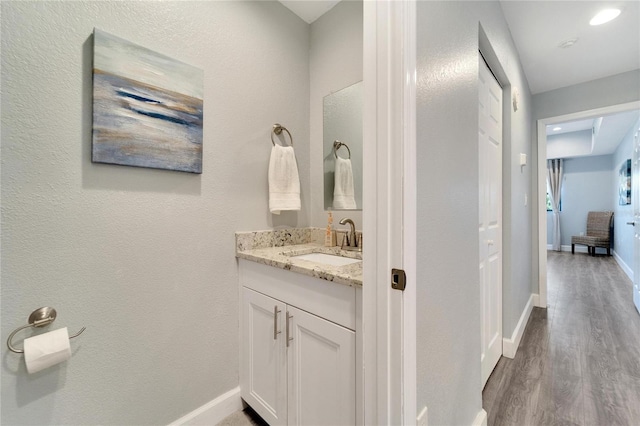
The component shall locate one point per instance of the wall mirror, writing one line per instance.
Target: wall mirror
(342, 148)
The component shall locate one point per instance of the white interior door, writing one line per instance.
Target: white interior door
(490, 218)
(635, 196)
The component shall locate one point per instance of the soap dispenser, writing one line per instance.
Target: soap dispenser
(330, 235)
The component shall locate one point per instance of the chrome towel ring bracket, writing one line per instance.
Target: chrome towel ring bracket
(277, 130)
(41, 317)
(337, 145)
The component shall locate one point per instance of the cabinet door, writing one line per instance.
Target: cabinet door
(322, 371)
(263, 369)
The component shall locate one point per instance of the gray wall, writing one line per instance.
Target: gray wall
(614, 90)
(143, 258)
(569, 144)
(335, 59)
(623, 233)
(586, 187)
(603, 92)
(448, 318)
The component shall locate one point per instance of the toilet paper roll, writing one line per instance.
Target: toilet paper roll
(46, 349)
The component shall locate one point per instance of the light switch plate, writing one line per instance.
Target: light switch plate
(523, 159)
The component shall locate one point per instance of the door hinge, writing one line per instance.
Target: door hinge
(398, 279)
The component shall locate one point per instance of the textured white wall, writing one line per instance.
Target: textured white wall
(335, 63)
(448, 333)
(143, 258)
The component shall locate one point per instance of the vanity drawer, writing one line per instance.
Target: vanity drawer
(326, 299)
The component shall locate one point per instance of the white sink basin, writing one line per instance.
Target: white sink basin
(327, 259)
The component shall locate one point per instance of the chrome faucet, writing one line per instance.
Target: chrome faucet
(350, 237)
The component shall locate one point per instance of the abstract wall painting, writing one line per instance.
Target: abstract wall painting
(624, 188)
(147, 107)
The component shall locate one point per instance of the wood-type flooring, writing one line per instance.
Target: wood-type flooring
(246, 417)
(579, 361)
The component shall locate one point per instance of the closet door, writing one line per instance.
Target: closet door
(263, 369)
(322, 371)
(490, 218)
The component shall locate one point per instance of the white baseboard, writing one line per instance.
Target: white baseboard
(536, 301)
(481, 419)
(623, 265)
(214, 411)
(510, 346)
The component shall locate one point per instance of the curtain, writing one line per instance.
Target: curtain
(554, 183)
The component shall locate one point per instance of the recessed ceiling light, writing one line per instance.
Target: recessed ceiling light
(555, 129)
(568, 43)
(604, 16)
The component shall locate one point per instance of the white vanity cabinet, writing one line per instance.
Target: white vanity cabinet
(298, 347)
(263, 368)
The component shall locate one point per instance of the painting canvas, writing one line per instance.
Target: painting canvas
(147, 107)
(624, 190)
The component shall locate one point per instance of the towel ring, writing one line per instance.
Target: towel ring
(41, 317)
(337, 145)
(277, 129)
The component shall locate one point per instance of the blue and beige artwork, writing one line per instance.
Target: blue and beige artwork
(147, 107)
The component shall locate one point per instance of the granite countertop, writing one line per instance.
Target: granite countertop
(277, 248)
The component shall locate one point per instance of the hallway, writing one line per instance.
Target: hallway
(579, 361)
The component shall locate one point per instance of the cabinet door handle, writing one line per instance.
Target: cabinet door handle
(276, 311)
(288, 338)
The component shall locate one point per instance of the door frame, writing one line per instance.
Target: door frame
(635, 207)
(389, 211)
(542, 181)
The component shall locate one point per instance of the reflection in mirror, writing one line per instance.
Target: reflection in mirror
(342, 145)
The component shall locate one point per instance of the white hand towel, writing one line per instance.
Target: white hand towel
(343, 194)
(284, 182)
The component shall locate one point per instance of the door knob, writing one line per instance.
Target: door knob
(631, 223)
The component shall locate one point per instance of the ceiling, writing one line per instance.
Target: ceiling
(611, 130)
(570, 126)
(309, 10)
(538, 28)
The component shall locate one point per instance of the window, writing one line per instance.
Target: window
(549, 203)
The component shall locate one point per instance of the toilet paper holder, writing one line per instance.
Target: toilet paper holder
(41, 317)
